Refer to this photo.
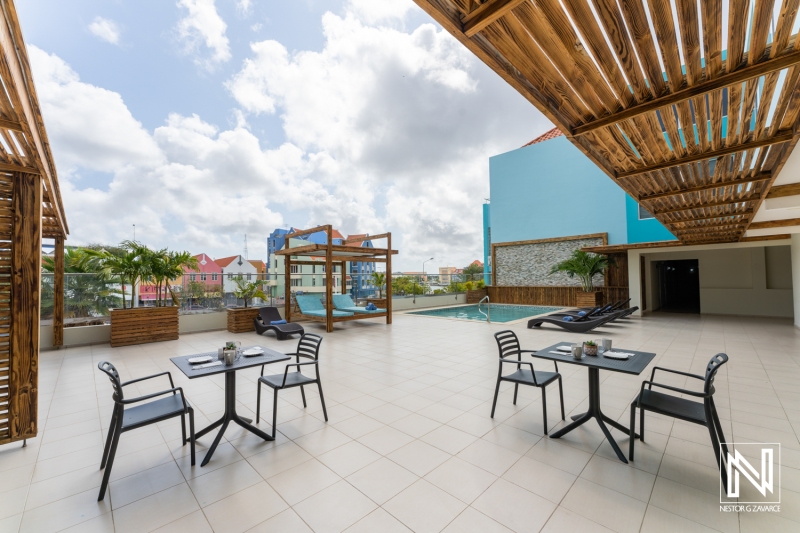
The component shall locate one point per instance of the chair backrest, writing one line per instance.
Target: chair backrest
(111, 371)
(711, 370)
(309, 345)
(507, 343)
(268, 314)
(343, 300)
(309, 302)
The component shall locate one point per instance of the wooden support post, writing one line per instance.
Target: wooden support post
(26, 268)
(329, 280)
(344, 278)
(389, 278)
(58, 293)
(287, 287)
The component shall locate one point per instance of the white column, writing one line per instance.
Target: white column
(796, 277)
(634, 281)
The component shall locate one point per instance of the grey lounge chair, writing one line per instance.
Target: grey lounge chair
(267, 315)
(311, 305)
(576, 326)
(343, 302)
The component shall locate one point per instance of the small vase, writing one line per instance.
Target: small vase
(589, 349)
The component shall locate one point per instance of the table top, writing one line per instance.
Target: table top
(633, 365)
(269, 356)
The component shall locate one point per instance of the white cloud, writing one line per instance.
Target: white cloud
(384, 130)
(244, 7)
(105, 29)
(202, 25)
(374, 11)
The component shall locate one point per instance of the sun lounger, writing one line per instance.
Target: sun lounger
(576, 326)
(343, 302)
(267, 315)
(311, 305)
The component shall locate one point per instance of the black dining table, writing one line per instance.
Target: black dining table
(595, 363)
(192, 371)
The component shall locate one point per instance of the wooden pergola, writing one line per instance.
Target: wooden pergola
(336, 254)
(695, 133)
(30, 209)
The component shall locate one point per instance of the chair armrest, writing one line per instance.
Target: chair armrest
(676, 389)
(155, 394)
(517, 362)
(695, 376)
(171, 384)
(286, 371)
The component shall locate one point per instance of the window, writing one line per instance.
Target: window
(324, 282)
(313, 282)
(248, 277)
(644, 213)
(202, 277)
(294, 269)
(214, 276)
(192, 277)
(297, 282)
(313, 269)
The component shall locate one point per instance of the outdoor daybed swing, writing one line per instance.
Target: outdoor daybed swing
(337, 308)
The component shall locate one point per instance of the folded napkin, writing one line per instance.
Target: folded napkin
(564, 348)
(277, 322)
(568, 319)
(618, 355)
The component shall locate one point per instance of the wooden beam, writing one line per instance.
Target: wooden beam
(717, 229)
(389, 279)
(11, 125)
(486, 14)
(746, 212)
(778, 237)
(706, 187)
(367, 238)
(737, 76)
(301, 233)
(704, 226)
(58, 292)
(287, 287)
(11, 167)
(780, 191)
(329, 280)
(785, 223)
(617, 248)
(780, 137)
(26, 268)
(702, 206)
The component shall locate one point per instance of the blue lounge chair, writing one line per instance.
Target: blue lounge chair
(343, 302)
(311, 305)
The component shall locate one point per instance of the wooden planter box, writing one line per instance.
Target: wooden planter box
(476, 296)
(588, 299)
(380, 303)
(240, 319)
(141, 325)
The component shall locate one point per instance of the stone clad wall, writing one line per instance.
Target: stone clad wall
(529, 264)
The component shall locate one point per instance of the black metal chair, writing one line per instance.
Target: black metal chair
(307, 348)
(127, 418)
(508, 345)
(704, 413)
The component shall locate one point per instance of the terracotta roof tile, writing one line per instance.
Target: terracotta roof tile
(552, 134)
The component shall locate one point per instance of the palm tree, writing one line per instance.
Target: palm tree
(86, 293)
(585, 266)
(247, 290)
(379, 280)
(176, 265)
(131, 266)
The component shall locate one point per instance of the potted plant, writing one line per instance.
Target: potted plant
(379, 281)
(590, 348)
(476, 291)
(130, 264)
(585, 267)
(240, 319)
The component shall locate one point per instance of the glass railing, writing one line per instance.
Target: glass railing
(88, 298)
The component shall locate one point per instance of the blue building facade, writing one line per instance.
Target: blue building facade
(549, 189)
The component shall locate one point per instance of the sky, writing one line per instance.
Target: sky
(202, 121)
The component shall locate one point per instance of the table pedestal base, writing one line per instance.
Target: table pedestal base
(229, 416)
(595, 412)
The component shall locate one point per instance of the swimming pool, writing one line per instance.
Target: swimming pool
(499, 312)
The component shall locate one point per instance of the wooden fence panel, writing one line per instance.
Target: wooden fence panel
(549, 295)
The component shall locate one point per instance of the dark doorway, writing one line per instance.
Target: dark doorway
(679, 288)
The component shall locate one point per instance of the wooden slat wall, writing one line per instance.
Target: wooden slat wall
(143, 324)
(549, 295)
(6, 223)
(690, 141)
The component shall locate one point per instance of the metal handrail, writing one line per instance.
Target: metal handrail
(488, 308)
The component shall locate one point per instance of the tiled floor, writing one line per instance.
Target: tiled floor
(409, 444)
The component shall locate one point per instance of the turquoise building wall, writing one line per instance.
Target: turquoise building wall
(551, 189)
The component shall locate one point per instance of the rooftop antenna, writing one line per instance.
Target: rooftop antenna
(245, 246)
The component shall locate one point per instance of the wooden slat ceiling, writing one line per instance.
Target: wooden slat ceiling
(694, 128)
(24, 146)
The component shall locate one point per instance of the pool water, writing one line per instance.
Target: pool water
(499, 312)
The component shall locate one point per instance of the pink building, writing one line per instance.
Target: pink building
(208, 271)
